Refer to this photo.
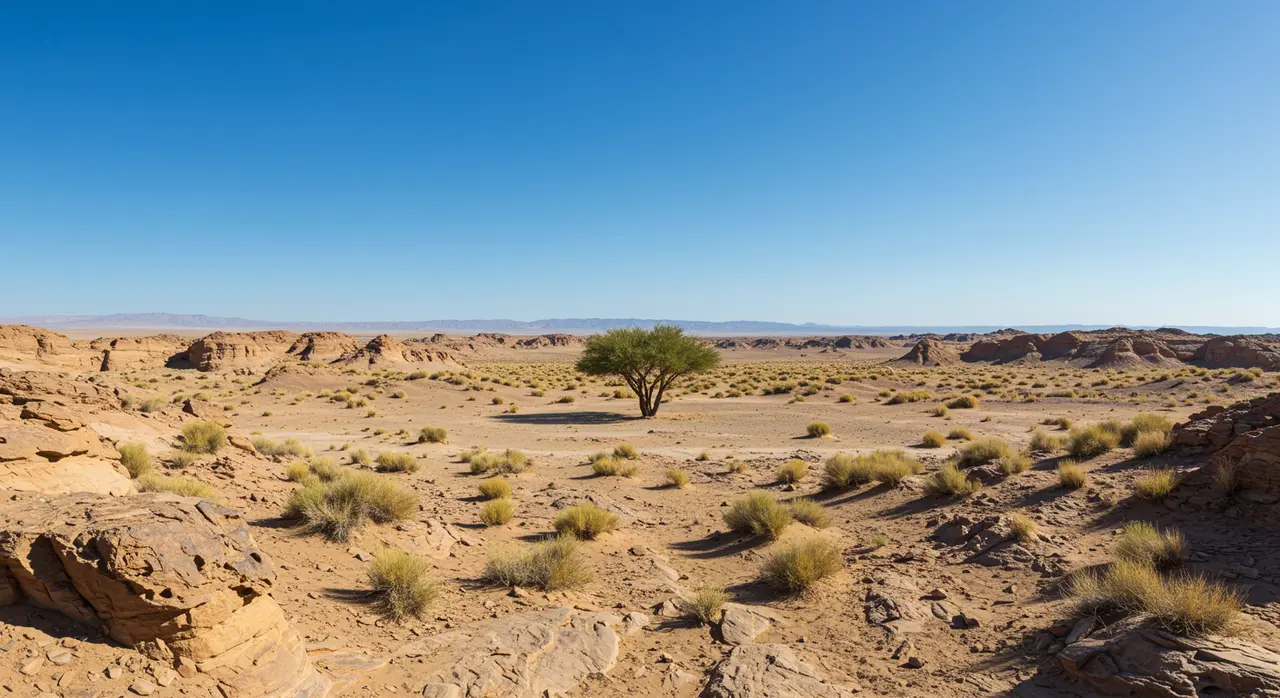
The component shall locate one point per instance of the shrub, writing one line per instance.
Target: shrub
(183, 486)
(892, 467)
(1196, 606)
(626, 451)
(964, 402)
(327, 469)
(960, 434)
(1023, 526)
(940, 411)
(792, 471)
(388, 462)
(648, 360)
(1156, 485)
(843, 471)
(846, 397)
(497, 512)
(809, 513)
(297, 472)
(547, 565)
(514, 462)
(878, 541)
(1071, 475)
(933, 439)
(585, 521)
(1043, 442)
(510, 461)
(758, 514)
(707, 604)
(495, 488)
(1014, 463)
(432, 435)
(181, 460)
(1150, 443)
(910, 396)
(135, 459)
(336, 508)
(1123, 586)
(677, 478)
(203, 437)
(1144, 423)
(703, 456)
(950, 481)
(982, 451)
(817, 430)
(1092, 441)
(403, 583)
(1142, 542)
(736, 466)
(1226, 477)
(611, 467)
(795, 568)
(290, 447)
(361, 457)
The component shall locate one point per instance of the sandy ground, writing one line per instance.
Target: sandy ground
(322, 584)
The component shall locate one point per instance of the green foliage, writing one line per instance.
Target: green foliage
(650, 361)
(817, 430)
(432, 435)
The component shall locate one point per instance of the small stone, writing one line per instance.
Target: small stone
(914, 662)
(166, 676)
(114, 672)
(187, 668)
(32, 667)
(937, 593)
(142, 687)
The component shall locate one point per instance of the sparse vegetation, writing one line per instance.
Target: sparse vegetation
(433, 435)
(495, 488)
(1023, 527)
(585, 521)
(183, 486)
(1014, 463)
(548, 565)
(497, 512)
(1092, 441)
(964, 402)
(982, 451)
(792, 471)
(625, 451)
(758, 514)
(203, 437)
(1143, 543)
(677, 478)
(707, 604)
(1071, 475)
(390, 462)
(1156, 484)
(933, 439)
(950, 481)
(649, 361)
(817, 430)
(798, 566)
(135, 459)
(403, 583)
(809, 513)
(337, 508)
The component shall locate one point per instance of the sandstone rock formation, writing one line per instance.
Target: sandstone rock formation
(34, 346)
(239, 350)
(1238, 352)
(323, 347)
(527, 655)
(46, 443)
(770, 671)
(153, 351)
(1245, 436)
(177, 578)
(386, 351)
(931, 352)
(1137, 659)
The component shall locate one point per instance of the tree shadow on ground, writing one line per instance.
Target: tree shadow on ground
(563, 418)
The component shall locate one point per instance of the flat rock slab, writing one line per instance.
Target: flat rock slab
(741, 625)
(539, 654)
(770, 671)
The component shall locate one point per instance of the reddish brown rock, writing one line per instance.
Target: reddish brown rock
(931, 352)
(239, 350)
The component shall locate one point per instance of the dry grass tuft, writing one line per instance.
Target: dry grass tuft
(982, 451)
(933, 439)
(497, 512)
(135, 459)
(758, 514)
(809, 513)
(585, 521)
(817, 430)
(626, 451)
(1024, 527)
(1143, 543)
(792, 471)
(183, 486)
(389, 462)
(1015, 463)
(403, 583)
(547, 565)
(495, 488)
(1092, 441)
(203, 437)
(1071, 475)
(337, 508)
(433, 435)
(677, 478)
(795, 568)
(1156, 485)
(707, 604)
(950, 481)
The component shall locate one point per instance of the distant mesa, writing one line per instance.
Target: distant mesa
(931, 352)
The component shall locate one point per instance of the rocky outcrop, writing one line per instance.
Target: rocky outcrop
(153, 351)
(1244, 436)
(770, 671)
(1136, 352)
(239, 350)
(527, 655)
(323, 347)
(1116, 348)
(23, 345)
(1138, 659)
(178, 579)
(930, 352)
(386, 351)
(46, 442)
(1238, 352)
(549, 340)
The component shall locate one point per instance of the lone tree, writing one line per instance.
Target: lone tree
(648, 360)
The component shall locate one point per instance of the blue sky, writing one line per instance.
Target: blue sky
(1003, 162)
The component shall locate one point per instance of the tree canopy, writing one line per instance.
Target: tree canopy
(650, 361)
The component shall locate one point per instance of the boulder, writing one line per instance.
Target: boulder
(239, 350)
(770, 671)
(176, 578)
(1244, 436)
(323, 347)
(741, 625)
(1238, 352)
(930, 352)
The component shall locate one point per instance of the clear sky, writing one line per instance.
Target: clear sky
(993, 162)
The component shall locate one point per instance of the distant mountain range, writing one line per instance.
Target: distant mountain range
(169, 321)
